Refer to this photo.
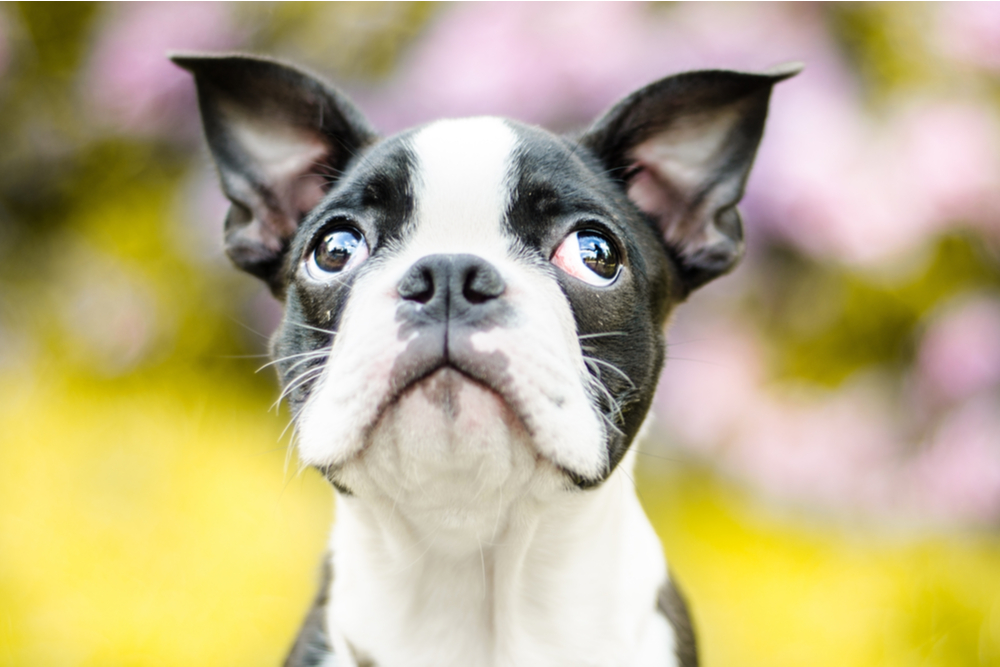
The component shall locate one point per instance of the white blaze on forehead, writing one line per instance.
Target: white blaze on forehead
(462, 184)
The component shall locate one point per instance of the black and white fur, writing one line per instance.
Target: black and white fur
(465, 383)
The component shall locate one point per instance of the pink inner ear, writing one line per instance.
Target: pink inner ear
(307, 191)
(653, 196)
(290, 160)
(291, 170)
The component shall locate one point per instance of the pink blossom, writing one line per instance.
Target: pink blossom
(959, 473)
(960, 352)
(710, 385)
(855, 448)
(828, 449)
(130, 83)
(970, 32)
(561, 64)
(537, 62)
(832, 450)
(950, 154)
(837, 183)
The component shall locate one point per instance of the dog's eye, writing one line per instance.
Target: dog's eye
(589, 256)
(338, 250)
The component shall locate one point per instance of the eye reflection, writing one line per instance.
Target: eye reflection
(337, 251)
(589, 256)
(598, 254)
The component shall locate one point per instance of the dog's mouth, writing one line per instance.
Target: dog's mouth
(445, 404)
(441, 386)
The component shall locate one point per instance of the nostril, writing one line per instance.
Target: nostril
(417, 285)
(482, 283)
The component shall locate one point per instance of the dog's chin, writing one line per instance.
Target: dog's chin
(446, 441)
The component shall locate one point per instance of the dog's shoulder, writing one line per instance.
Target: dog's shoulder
(312, 646)
(673, 606)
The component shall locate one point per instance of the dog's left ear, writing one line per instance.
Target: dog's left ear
(683, 147)
(280, 137)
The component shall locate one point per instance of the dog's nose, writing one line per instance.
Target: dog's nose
(452, 284)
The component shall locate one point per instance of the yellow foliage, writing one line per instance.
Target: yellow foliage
(155, 524)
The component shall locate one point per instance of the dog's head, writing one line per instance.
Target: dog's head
(475, 298)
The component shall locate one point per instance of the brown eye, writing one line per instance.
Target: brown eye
(589, 256)
(338, 250)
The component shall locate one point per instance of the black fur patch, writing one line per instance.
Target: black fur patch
(561, 187)
(673, 606)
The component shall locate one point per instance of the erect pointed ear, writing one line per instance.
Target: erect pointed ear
(683, 147)
(280, 138)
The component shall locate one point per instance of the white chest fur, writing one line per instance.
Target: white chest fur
(571, 582)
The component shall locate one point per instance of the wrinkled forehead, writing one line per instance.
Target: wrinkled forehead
(470, 185)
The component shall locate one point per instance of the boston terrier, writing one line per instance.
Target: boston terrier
(473, 329)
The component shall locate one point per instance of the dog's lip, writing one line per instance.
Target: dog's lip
(397, 393)
(392, 397)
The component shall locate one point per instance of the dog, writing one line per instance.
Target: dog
(473, 329)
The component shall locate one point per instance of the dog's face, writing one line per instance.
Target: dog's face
(475, 304)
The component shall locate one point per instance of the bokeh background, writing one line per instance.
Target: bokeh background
(825, 465)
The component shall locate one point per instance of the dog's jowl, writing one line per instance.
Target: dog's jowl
(473, 331)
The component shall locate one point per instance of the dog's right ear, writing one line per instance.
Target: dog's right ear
(280, 138)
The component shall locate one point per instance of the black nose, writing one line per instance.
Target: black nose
(451, 286)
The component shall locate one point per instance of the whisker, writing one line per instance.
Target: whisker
(299, 380)
(309, 326)
(599, 335)
(305, 361)
(611, 424)
(249, 328)
(304, 377)
(658, 456)
(634, 485)
(613, 405)
(599, 382)
(697, 361)
(311, 353)
(612, 367)
(293, 422)
(671, 343)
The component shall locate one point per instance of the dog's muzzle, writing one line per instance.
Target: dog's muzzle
(444, 300)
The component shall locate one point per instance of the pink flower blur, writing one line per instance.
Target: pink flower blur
(958, 475)
(830, 450)
(130, 83)
(561, 64)
(970, 32)
(835, 183)
(849, 448)
(960, 352)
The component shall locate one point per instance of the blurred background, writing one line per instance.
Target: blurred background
(825, 466)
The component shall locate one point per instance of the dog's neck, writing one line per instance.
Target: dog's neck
(568, 582)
